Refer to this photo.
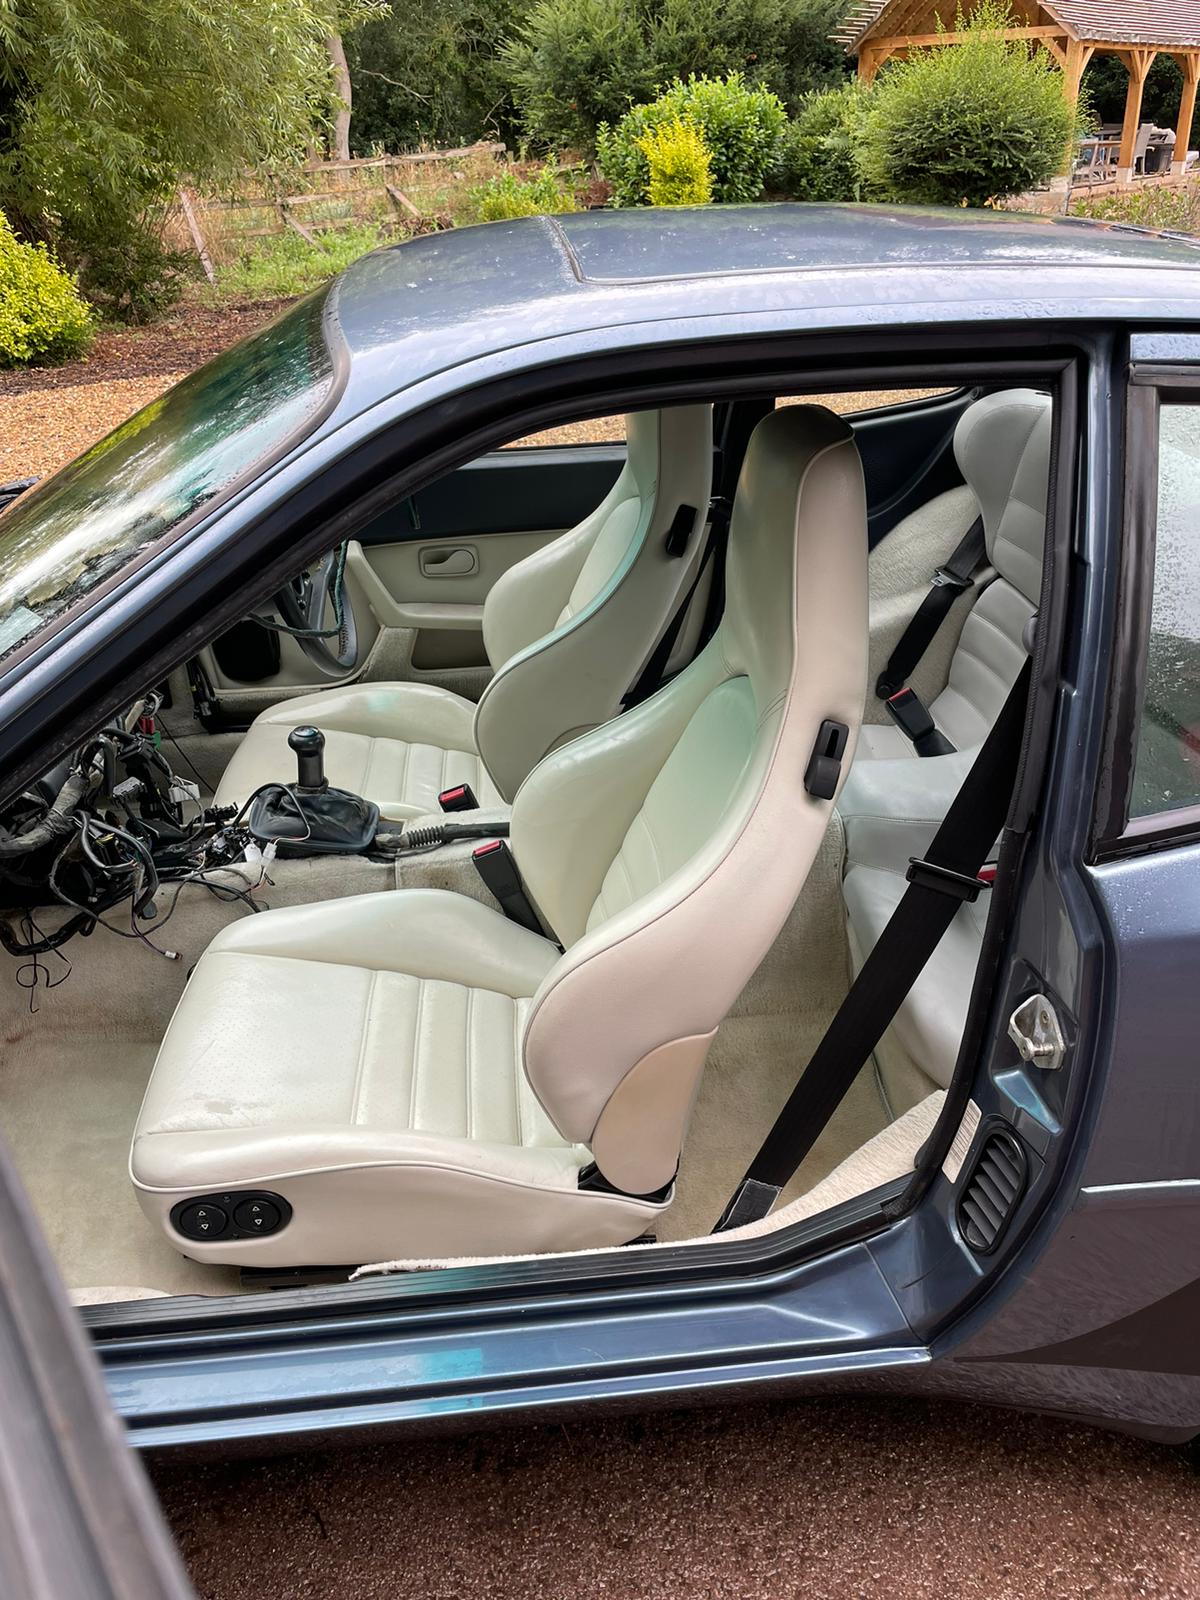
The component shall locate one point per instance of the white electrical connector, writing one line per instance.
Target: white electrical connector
(259, 860)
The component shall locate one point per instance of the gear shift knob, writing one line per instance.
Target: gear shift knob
(309, 745)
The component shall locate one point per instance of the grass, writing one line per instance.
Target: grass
(280, 267)
(1155, 206)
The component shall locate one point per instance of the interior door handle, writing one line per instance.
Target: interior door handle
(448, 563)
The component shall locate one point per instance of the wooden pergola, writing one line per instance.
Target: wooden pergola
(1071, 30)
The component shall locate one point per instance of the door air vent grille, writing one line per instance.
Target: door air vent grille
(994, 1185)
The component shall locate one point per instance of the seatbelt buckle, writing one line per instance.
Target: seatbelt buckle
(987, 874)
(460, 798)
(495, 864)
(944, 880)
(943, 578)
(911, 715)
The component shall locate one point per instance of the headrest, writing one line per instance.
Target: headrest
(1002, 445)
(800, 487)
(664, 447)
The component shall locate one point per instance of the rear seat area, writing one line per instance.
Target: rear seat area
(893, 800)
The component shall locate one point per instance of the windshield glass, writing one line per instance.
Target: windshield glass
(59, 542)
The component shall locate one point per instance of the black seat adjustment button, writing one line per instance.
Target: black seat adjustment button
(202, 1220)
(256, 1216)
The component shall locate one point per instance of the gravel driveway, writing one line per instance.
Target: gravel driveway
(833, 1499)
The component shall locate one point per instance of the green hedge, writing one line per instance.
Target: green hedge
(819, 151)
(740, 125)
(43, 319)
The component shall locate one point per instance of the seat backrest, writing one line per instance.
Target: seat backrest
(569, 628)
(667, 848)
(1002, 444)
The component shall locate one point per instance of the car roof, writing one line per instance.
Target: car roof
(437, 300)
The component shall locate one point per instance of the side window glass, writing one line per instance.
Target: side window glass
(1167, 765)
(598, 430)
(864, 400)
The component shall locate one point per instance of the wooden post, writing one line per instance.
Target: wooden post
(285, 211)
(401, 201)
(1074, 66)
(1187, 112)
(1078, 56)
(1137, 63)
(185, 201)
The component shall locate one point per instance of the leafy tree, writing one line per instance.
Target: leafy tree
(574, 64)
(106, 105)
(577, 63)
(968, 123)
(430, 73)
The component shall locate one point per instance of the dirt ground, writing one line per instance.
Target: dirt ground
(828, 1499)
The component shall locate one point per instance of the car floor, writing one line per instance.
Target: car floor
(77, 1057)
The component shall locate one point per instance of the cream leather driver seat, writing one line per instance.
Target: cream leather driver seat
(410, 1074)
(567, 630)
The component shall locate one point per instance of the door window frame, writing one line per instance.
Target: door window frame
(1115, 831)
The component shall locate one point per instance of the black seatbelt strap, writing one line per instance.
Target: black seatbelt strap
(739, 422)
(937, 885)
(949, 581)
(650, 679)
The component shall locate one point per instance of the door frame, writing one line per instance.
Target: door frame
(384, 468)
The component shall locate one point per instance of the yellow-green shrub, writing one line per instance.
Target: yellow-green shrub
(680, 164)
(43, 318)
(506, 197)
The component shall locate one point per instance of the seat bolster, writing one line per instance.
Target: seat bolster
(418, 713)
(445, 1198)
(427, 933)
(891, 808)
(272, 1153)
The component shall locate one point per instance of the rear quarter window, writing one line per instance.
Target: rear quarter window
(1167, 763)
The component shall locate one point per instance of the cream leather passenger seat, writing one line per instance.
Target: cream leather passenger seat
(414, 1075)
(567, 630)
(893, 800)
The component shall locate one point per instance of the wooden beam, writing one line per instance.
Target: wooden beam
(1187, 111)
(185, 201)
(870, 61)
(1137, 63)
(918, 41)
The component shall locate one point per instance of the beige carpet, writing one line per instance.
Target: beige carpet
(72, 1074)
(760, 1051)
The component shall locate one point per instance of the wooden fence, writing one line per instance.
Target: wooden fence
(397, 194)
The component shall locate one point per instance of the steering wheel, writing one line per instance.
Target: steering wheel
(303, 603)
